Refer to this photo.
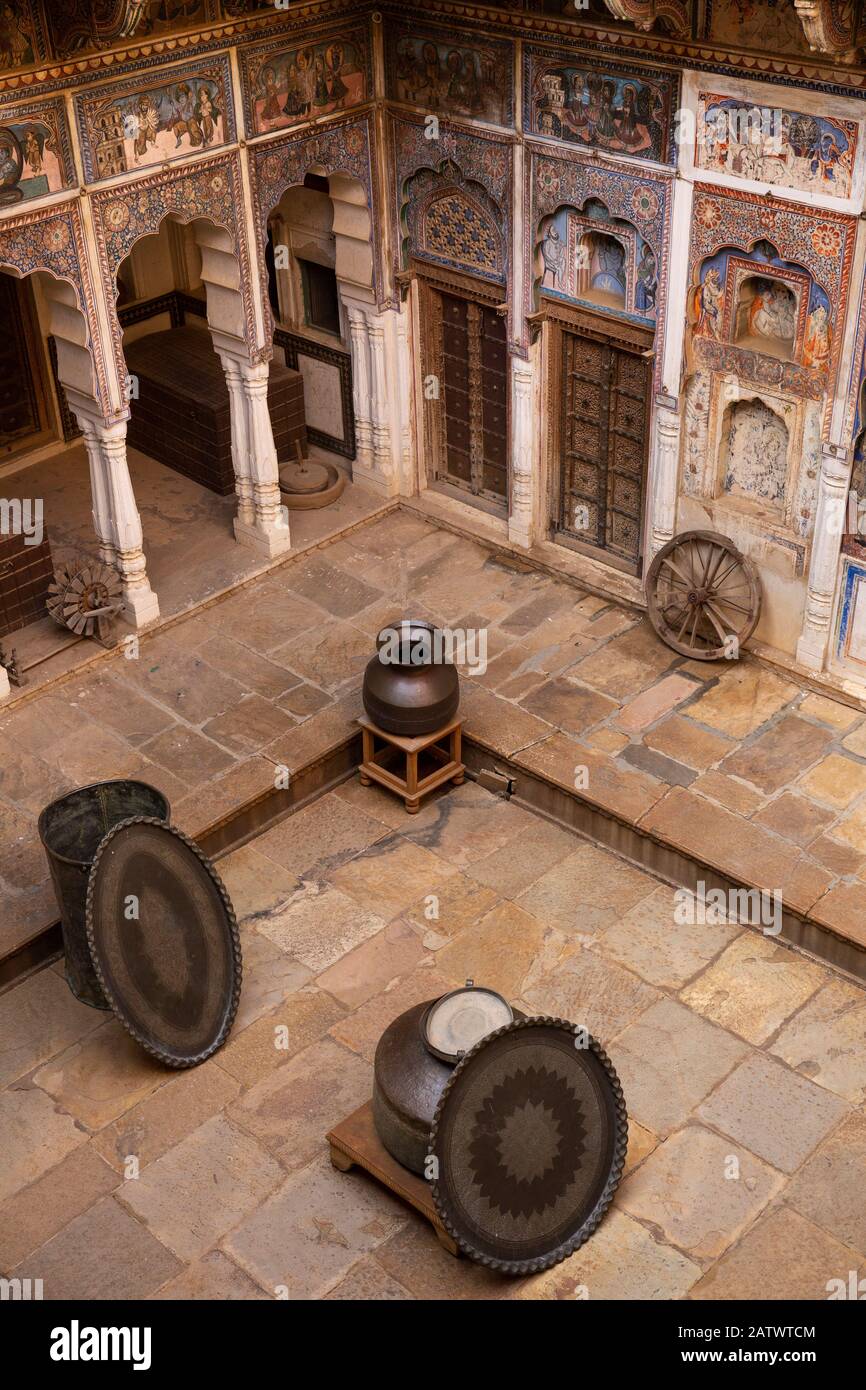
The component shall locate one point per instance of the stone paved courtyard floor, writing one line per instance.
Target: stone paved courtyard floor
(742, 1061)
(734, 765)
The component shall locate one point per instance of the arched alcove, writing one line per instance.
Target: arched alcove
(766, 317)
(601, 269)
(754, 453)
(587, 255)
(449, 218)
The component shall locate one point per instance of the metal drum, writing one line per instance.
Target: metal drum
(71, 830)
(409, 1076)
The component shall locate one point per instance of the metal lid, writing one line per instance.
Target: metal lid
(529, 1140)
(164, 940)
(455, 1023)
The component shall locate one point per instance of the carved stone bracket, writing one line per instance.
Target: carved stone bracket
(830, 26)
(644, 13)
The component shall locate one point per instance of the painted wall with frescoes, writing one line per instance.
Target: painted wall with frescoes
(286, 86)
(150, 120)
(455, 74)
(622, 110)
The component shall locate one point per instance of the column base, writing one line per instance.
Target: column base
(519, 533)
(385, 485)
(269, 543)
(810, 652)
(5, 687)
(140, 608)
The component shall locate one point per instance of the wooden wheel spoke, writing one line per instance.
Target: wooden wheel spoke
(720, 555)
(727, 603)
(669, 562)
(683, 625)
(711, 613)
(720, 578)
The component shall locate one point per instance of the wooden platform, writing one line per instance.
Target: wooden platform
(381, 764)
(354, 1142)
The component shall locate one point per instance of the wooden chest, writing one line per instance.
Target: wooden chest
(25, 574)
(181, 415)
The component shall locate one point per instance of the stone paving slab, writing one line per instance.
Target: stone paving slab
(734, 765)
(121, 1180)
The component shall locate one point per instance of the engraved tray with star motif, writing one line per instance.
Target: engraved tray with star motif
(529, 1141)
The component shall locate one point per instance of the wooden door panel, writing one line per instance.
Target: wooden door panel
(469, 433)
(602, 444)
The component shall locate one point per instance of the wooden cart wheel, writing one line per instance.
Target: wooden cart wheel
(703, 596)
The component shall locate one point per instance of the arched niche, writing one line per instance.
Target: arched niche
(766, 316)
(323, 222)
(585, 254)
(754, 454)
(602, 269)
(451, 219)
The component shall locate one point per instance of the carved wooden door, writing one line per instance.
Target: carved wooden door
(466, 366)
(605, 395)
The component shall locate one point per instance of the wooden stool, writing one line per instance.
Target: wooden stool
(414, 784)
(354, 1141)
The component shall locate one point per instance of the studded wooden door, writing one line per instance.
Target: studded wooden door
(466, 366)
(605, 395)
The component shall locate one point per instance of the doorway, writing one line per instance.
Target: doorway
(25, 422)
(600, 411)
(464, 358)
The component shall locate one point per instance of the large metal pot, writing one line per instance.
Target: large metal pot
(408, 1081)
(410, 688)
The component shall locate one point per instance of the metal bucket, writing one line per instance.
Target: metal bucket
(71, 830)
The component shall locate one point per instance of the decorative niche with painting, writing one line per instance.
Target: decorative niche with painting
(746, 307)
(593, 258)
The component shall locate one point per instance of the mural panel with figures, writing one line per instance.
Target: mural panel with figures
(771, 145)
(77, 26)
(597, 259)
(444, 73)
(35, 154)
(152, 119)
(623, 111)
(20, 35)
(284, 86)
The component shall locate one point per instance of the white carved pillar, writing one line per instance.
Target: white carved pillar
(381, 401)
(380, 395)
(268, 530)
(361, 391)
(99, 492)
(520, 520)
(664, 469)
(407, 476)
(5, 687)
(824, 560)
(240, 454)
(115, 517)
